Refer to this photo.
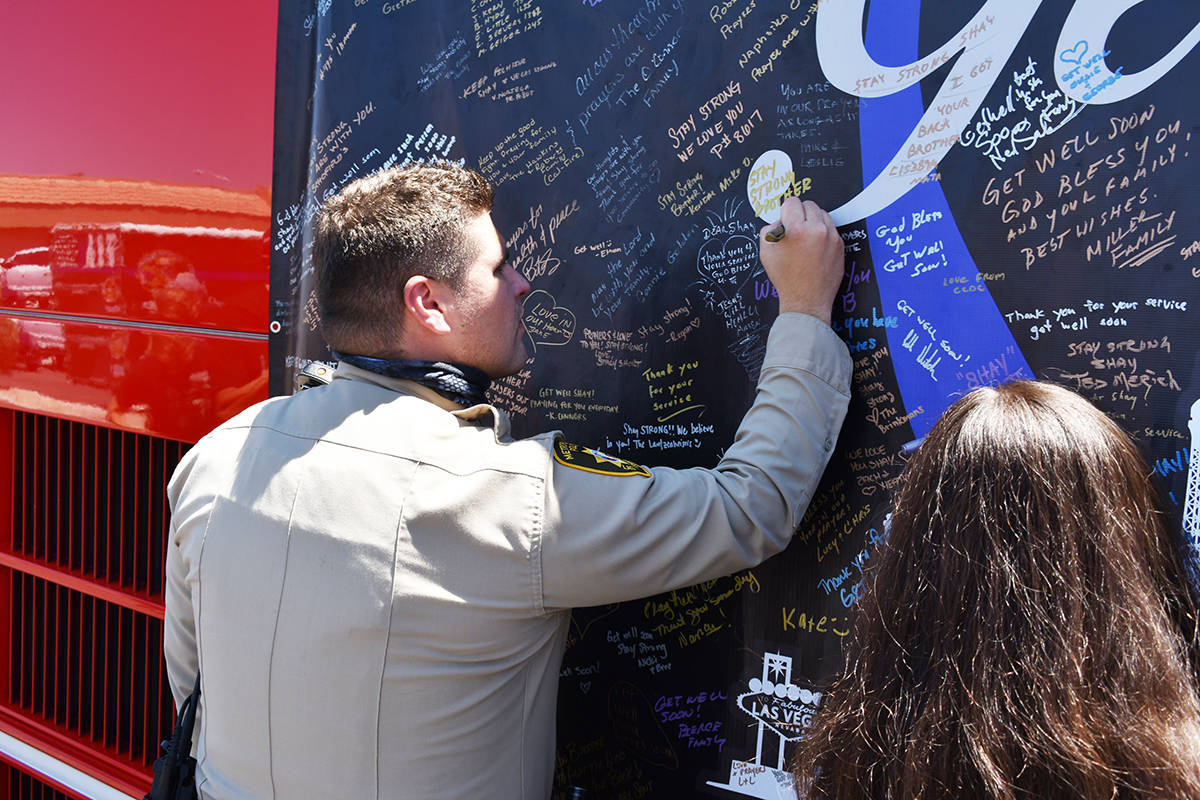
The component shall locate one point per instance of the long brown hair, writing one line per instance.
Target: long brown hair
(1027, 630)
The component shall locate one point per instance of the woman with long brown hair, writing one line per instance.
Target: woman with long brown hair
(1027, 632)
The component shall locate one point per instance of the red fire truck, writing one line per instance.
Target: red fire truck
(134, 237)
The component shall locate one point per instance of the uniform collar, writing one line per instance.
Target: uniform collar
(499, 420)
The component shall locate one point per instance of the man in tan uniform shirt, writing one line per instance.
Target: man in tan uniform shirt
(375, 580)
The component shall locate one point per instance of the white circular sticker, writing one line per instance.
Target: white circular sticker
(768, 183)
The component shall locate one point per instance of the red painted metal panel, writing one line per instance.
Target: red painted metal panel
(198, 275)
(116, 772)
(161, 220)
(170, 383)
(134, 220)
(203, 276)
(18, 784)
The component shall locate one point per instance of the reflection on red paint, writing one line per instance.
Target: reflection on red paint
(162, 382)
(134, 304)
(208, 277)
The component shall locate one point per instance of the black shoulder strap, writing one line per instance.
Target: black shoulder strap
(187, 719)
(174, 771)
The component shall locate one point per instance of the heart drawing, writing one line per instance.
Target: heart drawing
(728, 264)
(547, 323)
(1075, 54)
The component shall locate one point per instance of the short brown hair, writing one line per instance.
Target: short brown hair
(1027, 631)
(381, 230)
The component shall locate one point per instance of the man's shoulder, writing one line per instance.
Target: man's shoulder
(312, 412)
(393, 421)
(246, 417)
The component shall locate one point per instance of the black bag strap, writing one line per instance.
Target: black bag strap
(182, 736)
(173, 770)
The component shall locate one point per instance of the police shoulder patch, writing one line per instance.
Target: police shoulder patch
(589, 460)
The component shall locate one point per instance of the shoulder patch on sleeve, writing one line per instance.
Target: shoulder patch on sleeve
(589, 460)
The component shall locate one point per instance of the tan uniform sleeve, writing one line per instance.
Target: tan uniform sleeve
(614, 538)
(179, 630)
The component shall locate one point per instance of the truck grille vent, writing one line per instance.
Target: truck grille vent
(83, 571)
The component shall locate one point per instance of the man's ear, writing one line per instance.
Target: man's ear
(426, 300)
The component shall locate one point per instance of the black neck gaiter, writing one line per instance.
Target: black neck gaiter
(464, 385)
